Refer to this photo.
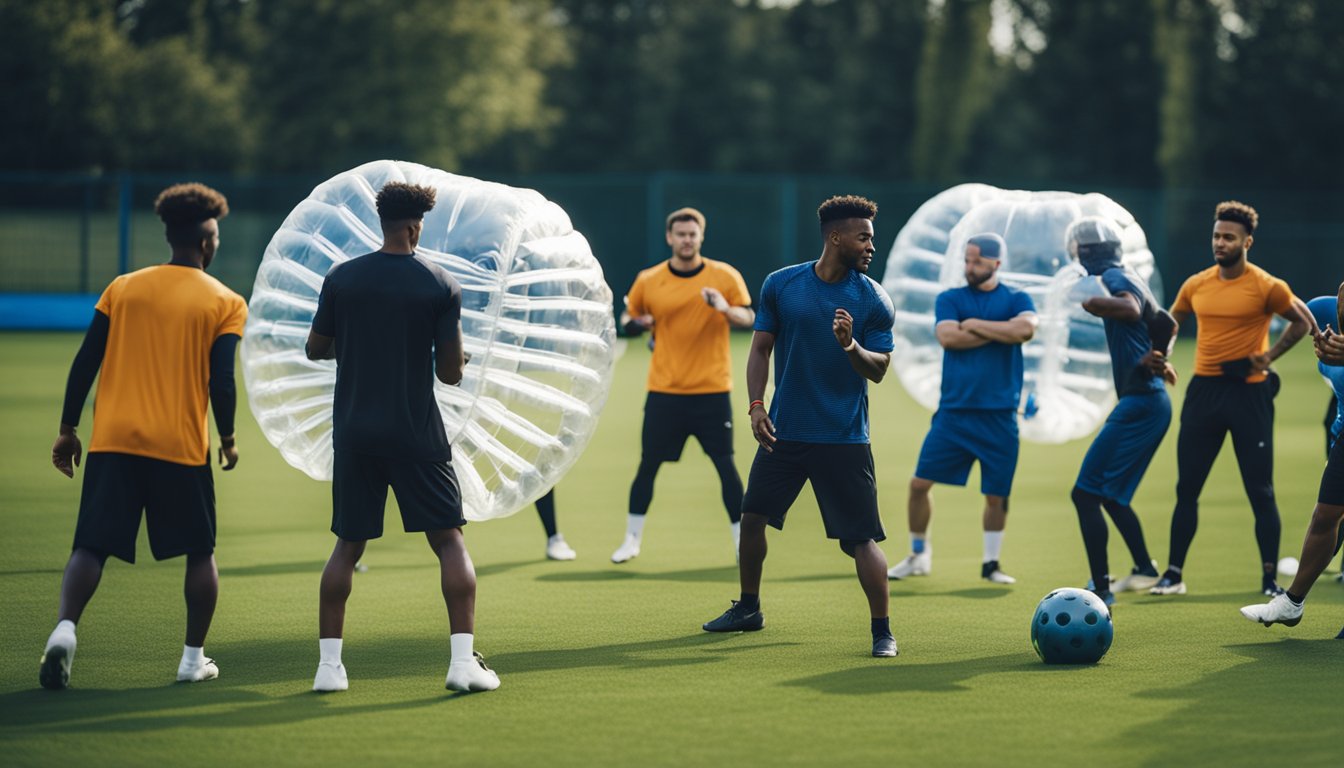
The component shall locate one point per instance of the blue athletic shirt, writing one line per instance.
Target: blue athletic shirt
(1129, 342)
(987, 377)
(1325, 308)
(819, 397)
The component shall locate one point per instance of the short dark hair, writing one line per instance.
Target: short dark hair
(183, 208)
(843, 207)
(398, 201)
(685, 214)
(1239, 212)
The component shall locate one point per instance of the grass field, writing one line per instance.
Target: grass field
(607, 665)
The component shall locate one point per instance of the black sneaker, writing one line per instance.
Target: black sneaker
(737, 619)
(991, 572)
(1270, 588)
(885, 647)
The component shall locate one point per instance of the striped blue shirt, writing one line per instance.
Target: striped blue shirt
(819, 397)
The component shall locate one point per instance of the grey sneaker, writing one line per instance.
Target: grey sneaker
(885, 647)
(736, 619)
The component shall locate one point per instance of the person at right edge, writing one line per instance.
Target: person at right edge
(1233, 387)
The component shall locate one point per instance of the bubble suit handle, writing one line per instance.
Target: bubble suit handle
(536, 320)
(1067, 390)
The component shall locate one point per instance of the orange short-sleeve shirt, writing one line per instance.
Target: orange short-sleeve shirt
(690, 353)
(154, 386)
(1233, 315)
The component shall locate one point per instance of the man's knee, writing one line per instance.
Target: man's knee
(1326, 518)
(851, 547)
(753, 522)
(920, 487)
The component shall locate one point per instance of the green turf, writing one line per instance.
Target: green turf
(606, 665)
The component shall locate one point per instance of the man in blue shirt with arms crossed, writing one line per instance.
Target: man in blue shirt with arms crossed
(982, 327)
(831, 325)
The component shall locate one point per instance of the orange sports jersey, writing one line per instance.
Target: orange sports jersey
(690, 351)
(1233, 315)
(155, 381)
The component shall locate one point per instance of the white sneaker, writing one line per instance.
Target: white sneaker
(471, 675)
(558, 549)
(59, 654)
(330, 677)
(628, 550)
(1168, 587)
(915, 565)
(197, 673)
(1137, 582)
(990, 572)
(1279, 610)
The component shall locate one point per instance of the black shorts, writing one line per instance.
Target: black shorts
(1332, 481)
(178, 501)
(427, 493)
(842, 479)
(670, 419)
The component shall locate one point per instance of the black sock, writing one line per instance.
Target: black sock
(750, 602)
(1296, 599)
(1172, 574)
(882, 627)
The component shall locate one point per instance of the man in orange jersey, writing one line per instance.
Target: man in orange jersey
(690, 302)
(1233, 388)
(164, 338)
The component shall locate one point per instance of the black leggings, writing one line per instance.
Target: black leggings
(1213, 407)
(641, 491)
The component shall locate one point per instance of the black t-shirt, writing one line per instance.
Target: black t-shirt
(384, 311)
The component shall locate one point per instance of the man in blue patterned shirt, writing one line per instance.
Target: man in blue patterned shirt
(829, 327)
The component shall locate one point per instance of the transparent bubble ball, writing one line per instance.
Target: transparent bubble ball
(1067, 390)
(536, 320)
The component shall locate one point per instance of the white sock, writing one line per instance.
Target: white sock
(919, 542)
(555, 538)
(634, 526)
(329, 649)
(193, 656)
(993, 545)
(736, 528)
(462, 646)
(64, 628)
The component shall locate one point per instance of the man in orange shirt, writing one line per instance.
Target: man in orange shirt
(1233, 388)
(164, 338)
(693, 301)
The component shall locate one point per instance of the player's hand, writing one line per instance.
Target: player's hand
(67, 451)
(1169, 374)
(1259, 362)
(715, 299)
(228, 453)
(1155, 362)
(1329, 347)
(644, 320)
(762, 428)
(843, 327)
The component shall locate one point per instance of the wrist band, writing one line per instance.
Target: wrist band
(853, 342)
(753, 405)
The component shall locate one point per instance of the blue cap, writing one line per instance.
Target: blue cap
(991, 245)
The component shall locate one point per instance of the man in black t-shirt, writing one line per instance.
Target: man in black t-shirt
(392, 321)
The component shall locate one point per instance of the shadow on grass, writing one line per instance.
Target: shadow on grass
(700, 648)
(945, 676)
(204, 705)
(724, 574)
(1281, 704)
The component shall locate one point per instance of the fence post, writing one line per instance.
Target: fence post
(84, 235)
(654, 218)
(124, 188)
(788, 224)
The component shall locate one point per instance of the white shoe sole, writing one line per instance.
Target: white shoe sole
(331, 682)
(207, 671)
(472, 680)
(1175, 589)
(1250, 613)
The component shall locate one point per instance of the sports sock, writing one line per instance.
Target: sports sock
(329, 649)
(918, 541)
(736, 529)
(750, 602)
(63, 627)
(1173, 572)
(1297, 600)
(993, 545)
(881, 627)
(634, 526)
(461, 644)
(193, 656)
(546, 511)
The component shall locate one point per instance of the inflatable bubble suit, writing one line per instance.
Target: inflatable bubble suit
(1071, 626)
(1068, 390)
(536, 320)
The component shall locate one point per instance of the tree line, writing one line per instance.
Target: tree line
(1134, 93)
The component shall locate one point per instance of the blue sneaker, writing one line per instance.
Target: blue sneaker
(1106, 595)
(736, 619)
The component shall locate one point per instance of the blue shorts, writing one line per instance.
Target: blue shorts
(1120, 455)
(957, 439)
